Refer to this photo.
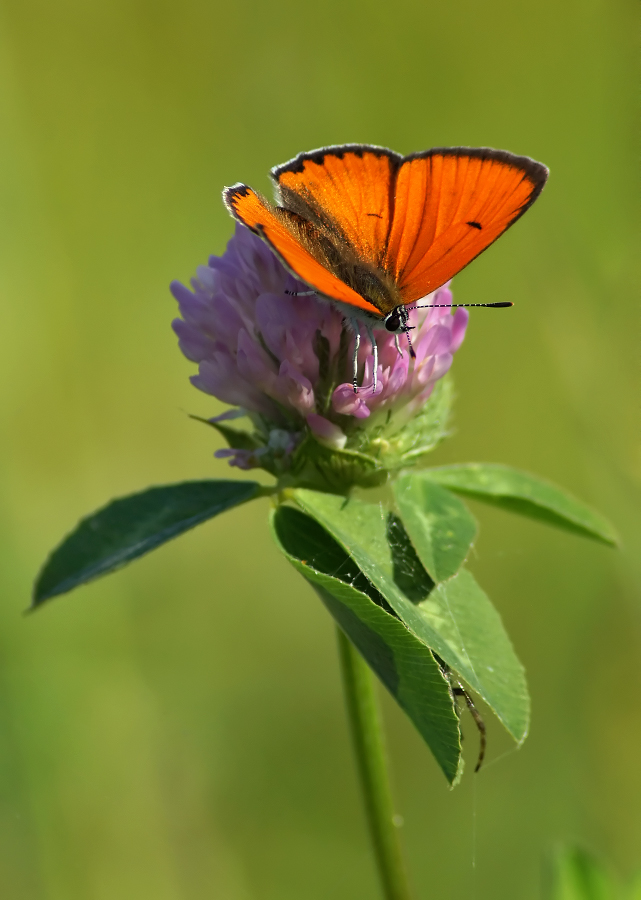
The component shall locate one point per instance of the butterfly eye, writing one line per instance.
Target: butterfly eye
(393, 322)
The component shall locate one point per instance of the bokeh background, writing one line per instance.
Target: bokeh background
(176, 731)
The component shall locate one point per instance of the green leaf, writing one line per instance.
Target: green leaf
(402, 662)
(454, 619)
(440, 526)
(578, 876)
(237, 438)
(134, 525)
(526, 494)
(427, 427)
(398, 441)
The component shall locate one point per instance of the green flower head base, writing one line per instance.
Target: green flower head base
(285, 363)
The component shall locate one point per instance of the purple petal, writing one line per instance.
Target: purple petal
(461, 317)
(218, 376)
(347, 403)
(241, 459)
(326, 431)
(293, 387)
(254, 364)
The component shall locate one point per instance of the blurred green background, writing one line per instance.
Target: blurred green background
(176, 731)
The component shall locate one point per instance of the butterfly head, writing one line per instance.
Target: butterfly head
(396, 321)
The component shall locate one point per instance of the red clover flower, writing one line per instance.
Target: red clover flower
(284, 362)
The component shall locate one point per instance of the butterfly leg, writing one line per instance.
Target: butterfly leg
(372, 340)
(397, 345)
(354, 325)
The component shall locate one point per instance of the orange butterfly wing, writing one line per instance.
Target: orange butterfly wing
(348, 189)
(421, 218)
(250, 209)
(450, 205)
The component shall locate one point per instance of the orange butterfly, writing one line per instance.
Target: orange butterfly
(374, 231)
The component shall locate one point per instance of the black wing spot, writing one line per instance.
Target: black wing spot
(475, 225)
(377, 215)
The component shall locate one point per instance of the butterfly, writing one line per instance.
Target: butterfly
(374, 232)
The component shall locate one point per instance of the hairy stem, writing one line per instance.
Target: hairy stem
(367, 735)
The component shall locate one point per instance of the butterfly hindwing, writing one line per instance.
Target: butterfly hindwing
(450, 205)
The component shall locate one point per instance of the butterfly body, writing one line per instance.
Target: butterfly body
(374, 232)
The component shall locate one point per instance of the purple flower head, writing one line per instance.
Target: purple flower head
(286, 361)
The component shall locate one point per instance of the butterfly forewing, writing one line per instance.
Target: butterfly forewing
(450, 205)
(250, 209)
(347, 189)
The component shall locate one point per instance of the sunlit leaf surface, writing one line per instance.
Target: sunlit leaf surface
(454, 619)
(526, 494)
(402, 662)
(439, 524)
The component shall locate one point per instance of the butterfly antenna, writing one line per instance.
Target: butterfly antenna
(500, 305)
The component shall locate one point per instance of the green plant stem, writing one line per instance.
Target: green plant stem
(367, 734)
